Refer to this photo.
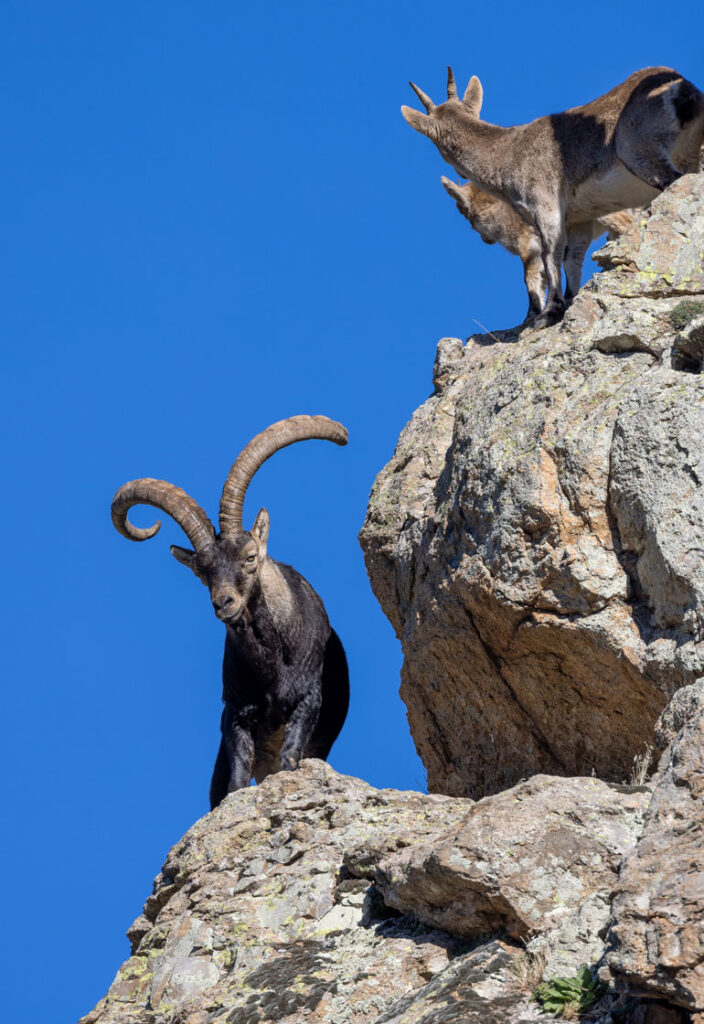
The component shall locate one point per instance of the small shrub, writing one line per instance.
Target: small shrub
(641, 767)
(571, 995)
(527, 970)
(684, 312)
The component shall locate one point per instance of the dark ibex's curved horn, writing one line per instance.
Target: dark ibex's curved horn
(451, 85)
(425, 100)
(179, 505)
(259, 449)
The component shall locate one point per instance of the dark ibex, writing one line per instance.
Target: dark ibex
(618, 151)
(285, 681)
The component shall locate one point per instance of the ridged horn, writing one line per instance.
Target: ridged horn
(165, 496)
(425, 100)
(262, 447)
(451, 85)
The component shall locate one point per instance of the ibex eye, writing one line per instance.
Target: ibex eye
(250, 559)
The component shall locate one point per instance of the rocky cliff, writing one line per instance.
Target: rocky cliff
(316, 898)
(537, 540)
(538, 543)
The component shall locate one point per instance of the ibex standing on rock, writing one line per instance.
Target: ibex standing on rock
(496, 221)
(618, 151)
(285, 681)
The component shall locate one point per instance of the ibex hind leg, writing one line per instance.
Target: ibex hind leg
(220, 777)
(336, 699)
(578, 240)
(268, 754)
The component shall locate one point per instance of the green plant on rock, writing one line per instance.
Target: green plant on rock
(571, 995)
(684, 312)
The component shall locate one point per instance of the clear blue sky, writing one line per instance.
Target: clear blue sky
(214, 217)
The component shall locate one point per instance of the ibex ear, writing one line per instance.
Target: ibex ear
(421, 122)
(260, 530)
(473, 96)
(185, 556)
(452, 190)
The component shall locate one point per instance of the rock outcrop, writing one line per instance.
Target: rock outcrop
(537, 862)
(537, 540)
(657, 933)
(265, 911)
(316, 898)
(538, 543)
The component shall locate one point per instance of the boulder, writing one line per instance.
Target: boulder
(256, 917)
(657, 933)
(537, 862)
(537, 540)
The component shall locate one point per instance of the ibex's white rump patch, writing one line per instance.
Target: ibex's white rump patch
(618, 151)
(496, 221)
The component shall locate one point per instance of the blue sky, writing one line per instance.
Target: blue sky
(214, 217)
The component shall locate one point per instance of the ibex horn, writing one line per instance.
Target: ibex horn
(179, 505)
(425, 100)
(260, 448)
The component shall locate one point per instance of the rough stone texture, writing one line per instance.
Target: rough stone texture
(256, 917)
(657, 935)
(474, 989)
(538, 861)
(537, 540)
(686, 704)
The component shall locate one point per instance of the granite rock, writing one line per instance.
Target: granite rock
(537, 540)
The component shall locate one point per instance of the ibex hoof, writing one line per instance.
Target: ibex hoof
(548, 317)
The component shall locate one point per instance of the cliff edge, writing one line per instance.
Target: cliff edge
(537, 539)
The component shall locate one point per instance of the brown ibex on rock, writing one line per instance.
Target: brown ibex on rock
(618, 151)
(496, 221)
(285, 680)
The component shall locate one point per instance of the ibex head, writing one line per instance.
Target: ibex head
(439, 120)
(229, 563)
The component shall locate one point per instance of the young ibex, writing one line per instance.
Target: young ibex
(618, 151)
(496, 221)
(285, 681)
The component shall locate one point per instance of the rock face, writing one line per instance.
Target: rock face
(254, 913)
(537, 540)
(271, 908)
(657, 933)
(539, 860)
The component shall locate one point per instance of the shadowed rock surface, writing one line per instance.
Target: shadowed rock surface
(657, 933)
(537, 540)
(539, 860)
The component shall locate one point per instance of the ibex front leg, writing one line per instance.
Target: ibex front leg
(238, 737)
(300, 726)
(551, 228)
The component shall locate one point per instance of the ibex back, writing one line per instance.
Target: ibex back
(618, 151)
(285, 680)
